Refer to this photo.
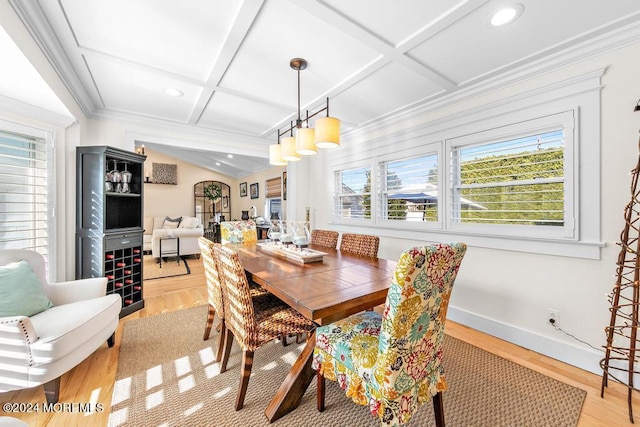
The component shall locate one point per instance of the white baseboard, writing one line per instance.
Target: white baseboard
(584, 358)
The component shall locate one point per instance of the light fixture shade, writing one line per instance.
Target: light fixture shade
(289, 152)
(306, 141)
(275, 155)
(327, 132)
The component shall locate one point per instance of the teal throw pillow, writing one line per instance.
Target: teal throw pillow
(21, 293)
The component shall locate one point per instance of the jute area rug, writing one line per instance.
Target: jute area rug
(166, 377)
(170, 268)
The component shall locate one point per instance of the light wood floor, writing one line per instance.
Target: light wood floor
(92, 380)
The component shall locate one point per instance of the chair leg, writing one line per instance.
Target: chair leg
(438, 409)
(222, 335)
(283, 340)
(52, 390)
(111, 341)
(228, 342)
(247, 364)
(320, 391)
(207, 328)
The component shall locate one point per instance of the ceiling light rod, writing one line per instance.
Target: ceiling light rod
(299, 122)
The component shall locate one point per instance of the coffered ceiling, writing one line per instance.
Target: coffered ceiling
(375, 59)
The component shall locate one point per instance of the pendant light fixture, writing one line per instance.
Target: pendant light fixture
(307, 140)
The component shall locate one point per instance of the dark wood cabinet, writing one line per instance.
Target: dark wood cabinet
(109, 221)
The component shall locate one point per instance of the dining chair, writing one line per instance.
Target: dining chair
(214, 292)
(326, 238)
(393, 362)
(252, 321)
(360, 244)
(238, 231)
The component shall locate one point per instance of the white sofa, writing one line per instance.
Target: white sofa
(188, 231)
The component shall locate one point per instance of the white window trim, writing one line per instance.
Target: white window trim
(580, 94)
(425, 149)
(373, 176)
(49, 138)
(563, 120)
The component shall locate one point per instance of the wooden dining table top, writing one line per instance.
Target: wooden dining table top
(324, 291)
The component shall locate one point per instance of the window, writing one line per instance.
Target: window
(409, 189)
(25, 189)
(520, 181)
(273, 200)
(516, 180)
(353, 193)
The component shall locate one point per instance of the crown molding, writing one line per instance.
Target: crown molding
(22, 108)
(627, 33)
(37, 24)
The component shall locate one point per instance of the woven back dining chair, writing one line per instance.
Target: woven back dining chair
(360, 244)
(238, 231)
(252, 321)
(214, 292)
(326, 238)
(393, 362)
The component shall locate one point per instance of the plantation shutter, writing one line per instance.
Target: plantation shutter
(409, 189)
(517, 181)
(274, 188)
(24, 198)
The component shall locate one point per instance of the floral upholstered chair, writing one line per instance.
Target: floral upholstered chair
(327, 238)
(393, 362)
(238, 231)
(360, 244)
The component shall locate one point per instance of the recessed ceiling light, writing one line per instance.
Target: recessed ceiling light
(230, 156)
(506, 15)
(217, 163)
(171, 91)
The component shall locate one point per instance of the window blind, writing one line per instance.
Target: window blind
(409, 189)
(517, 181)
(274, 188)
(24, 198)
(353, 195)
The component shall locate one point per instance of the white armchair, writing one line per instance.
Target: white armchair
(39, 349)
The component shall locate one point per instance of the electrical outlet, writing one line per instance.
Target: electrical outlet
(552, 316)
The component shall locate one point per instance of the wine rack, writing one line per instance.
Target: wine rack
(123, 269)
(109, 223)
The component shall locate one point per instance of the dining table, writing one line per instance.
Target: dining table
(331, 287)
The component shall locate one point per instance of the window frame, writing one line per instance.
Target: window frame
(579, 94)
(434, 147)
(335, 196)
(48, 137)
(564, 121)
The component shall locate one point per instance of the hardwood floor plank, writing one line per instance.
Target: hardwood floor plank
(93, 380)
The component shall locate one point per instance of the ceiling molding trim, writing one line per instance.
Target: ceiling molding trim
(238, 32)
(38, 26)
(41, 114)
(605, 43)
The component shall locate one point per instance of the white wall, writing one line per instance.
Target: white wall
(177, 200)
(507, 293)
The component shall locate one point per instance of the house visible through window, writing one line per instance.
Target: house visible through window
(409, 189)
(25, 221)
(353, 193)
(511, 180)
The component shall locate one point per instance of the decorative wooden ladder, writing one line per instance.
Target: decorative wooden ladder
(621, 351)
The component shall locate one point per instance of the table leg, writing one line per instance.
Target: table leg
(290, 393)
(160, 253)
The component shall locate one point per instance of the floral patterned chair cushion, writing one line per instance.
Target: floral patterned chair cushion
(393, 362)
(238, 231)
